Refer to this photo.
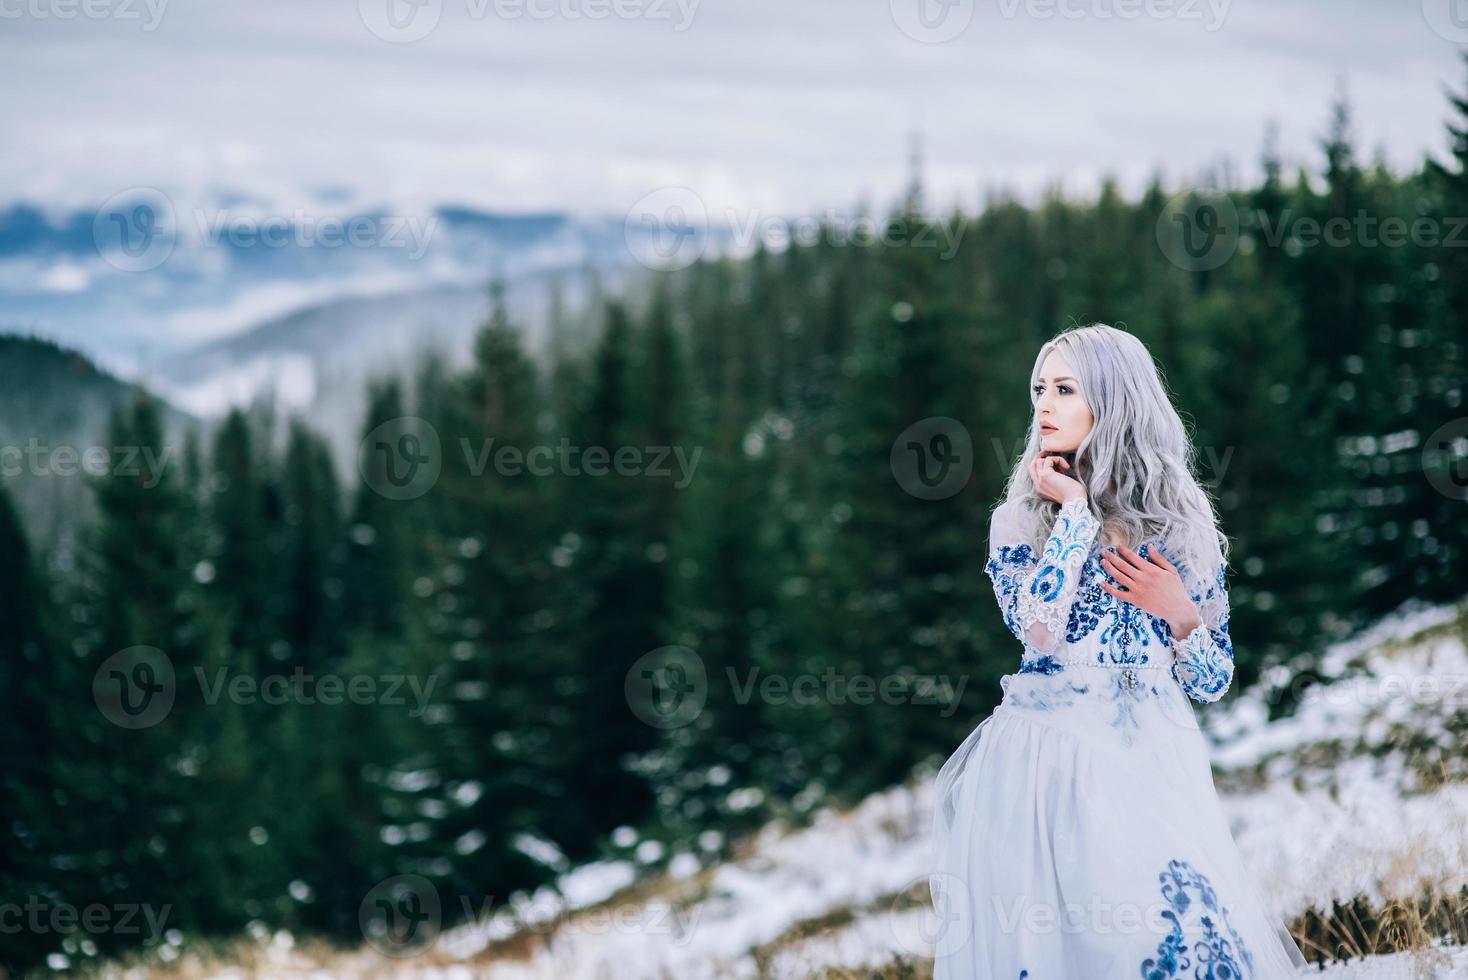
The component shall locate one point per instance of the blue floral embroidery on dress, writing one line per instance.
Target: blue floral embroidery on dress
(1041, 665)
(1048, 583)
(1034, 590)
(1131, 628)
(1013, 556)
(1126, 693)
(1204, 663)
(1210, 957)
(1036, 604)
(1045, 698)
(1126, 639)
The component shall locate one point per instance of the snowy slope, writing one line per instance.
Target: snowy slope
(1332, 803)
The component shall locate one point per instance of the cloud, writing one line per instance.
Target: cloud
(786, 104)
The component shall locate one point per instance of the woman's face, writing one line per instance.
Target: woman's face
(1060, 403)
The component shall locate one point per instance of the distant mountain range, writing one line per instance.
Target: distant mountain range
(219, 305)
(139, 279)
(318, 361)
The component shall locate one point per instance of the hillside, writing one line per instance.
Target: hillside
(54, 401)
(1348, 813)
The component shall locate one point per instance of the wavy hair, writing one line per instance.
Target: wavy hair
(1137, 463)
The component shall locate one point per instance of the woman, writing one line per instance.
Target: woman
(1077, 831)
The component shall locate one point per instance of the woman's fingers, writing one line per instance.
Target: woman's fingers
(1136, 564)
(1039, 467)
(1117, 571)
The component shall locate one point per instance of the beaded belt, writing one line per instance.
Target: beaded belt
(1129, 679)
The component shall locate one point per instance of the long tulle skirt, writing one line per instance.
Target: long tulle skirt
(1063, 855)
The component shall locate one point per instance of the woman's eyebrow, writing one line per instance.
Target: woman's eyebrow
(1065, 378)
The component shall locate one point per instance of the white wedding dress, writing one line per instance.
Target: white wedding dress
(1077, 832)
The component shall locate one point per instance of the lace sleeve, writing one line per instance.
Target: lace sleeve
(1203, 661)
(1035, 593)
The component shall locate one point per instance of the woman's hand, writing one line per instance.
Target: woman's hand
(1153, 585)
(1048, 474)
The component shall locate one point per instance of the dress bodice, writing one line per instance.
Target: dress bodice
(1083, 640)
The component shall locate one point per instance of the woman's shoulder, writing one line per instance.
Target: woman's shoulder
(1009, 516)
(1010, 507)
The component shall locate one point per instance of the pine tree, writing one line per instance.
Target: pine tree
(127, 815)
(608, 585)
(502, 726)
(32, 742)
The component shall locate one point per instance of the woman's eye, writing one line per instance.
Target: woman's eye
(1065, 389)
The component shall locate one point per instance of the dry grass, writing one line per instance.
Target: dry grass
(1356, 929)
(1344, 932)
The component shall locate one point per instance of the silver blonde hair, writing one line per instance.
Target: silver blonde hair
(1137, 462)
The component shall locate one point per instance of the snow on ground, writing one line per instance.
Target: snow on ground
(1407, 669)
(1360, 836)
(1294, 833)
(850, 889)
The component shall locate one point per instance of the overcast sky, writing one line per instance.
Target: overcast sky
(790, 105)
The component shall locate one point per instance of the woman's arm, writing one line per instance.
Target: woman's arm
(1203, 660)
(1035, 593)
